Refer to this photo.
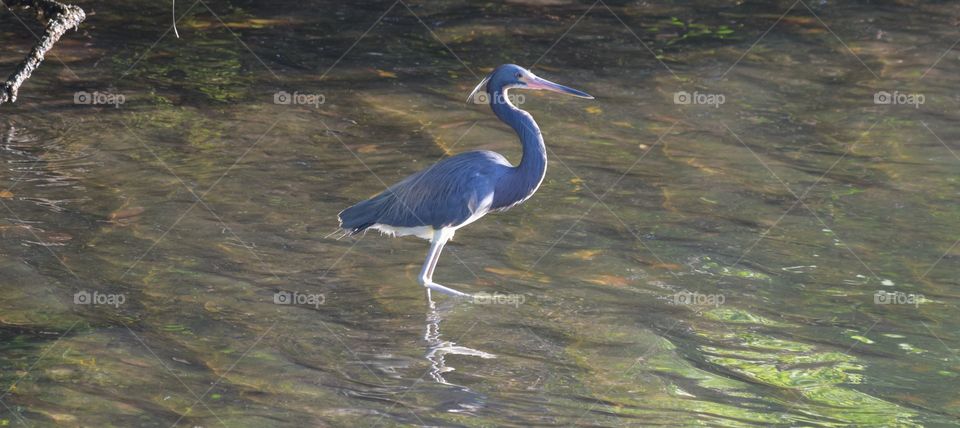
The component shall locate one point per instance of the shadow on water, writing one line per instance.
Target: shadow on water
(747, 263)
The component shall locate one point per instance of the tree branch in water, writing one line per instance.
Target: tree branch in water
(57, 19)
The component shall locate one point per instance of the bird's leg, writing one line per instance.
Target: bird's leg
(426, 273)
(435, 259)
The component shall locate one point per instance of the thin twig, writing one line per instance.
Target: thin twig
(173, 11)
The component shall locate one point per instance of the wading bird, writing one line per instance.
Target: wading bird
(433, 203)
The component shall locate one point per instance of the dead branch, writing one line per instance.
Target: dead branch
(57, 18)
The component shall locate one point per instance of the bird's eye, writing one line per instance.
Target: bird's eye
(519, 75)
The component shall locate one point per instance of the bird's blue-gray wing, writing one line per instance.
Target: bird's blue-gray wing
(445, 194)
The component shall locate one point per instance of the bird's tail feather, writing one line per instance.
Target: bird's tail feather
(340, 234)
(361, 216)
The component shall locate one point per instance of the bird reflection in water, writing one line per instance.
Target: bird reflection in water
(461, 399)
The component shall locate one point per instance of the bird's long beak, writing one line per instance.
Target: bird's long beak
(544, 84)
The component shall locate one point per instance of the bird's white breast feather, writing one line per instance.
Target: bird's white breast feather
(481, 210)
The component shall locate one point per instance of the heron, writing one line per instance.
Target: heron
(454, 192)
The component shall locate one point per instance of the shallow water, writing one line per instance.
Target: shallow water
(680, 265)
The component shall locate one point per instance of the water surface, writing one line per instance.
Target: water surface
(780, 214)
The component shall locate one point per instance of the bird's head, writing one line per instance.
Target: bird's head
(510, 76)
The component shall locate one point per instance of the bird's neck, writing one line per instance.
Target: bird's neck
(526, 176)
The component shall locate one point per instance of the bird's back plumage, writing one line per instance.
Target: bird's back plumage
(450, 193)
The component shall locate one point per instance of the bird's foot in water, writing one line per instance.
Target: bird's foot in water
(447, 290)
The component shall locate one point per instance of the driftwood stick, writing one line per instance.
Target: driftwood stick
(57, 19)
